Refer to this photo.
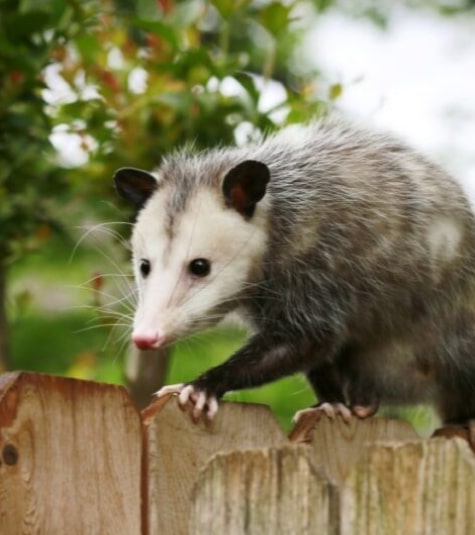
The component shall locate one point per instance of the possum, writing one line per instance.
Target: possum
(349, 255)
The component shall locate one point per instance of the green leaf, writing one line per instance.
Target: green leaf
(335, 91)
(178, 100)
(225, 7)
(28, 6)
(248, 83)
(275, 18)
(186, 13)
(88, 46)
(166, 32)
(21, 26)
(148, 10)
(229, 8)
(322, 5)
(7, 48)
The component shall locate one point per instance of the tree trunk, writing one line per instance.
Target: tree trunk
(4, 349)
(145, 373)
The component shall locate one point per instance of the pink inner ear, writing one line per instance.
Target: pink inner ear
(238, 197)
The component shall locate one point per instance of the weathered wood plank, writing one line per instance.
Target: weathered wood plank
(337, 445)
(420, 488)
(177, 448)
(267, 491)
(70, 454)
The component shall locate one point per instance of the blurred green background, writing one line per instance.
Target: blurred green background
(89, 86)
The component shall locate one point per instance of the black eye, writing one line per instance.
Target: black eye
(199, 267)
(144, 267)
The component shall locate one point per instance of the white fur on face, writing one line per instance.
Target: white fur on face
(174, 302)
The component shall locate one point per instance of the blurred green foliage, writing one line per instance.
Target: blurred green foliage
(29, 33)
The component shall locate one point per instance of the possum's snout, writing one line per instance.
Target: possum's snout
(144, 340)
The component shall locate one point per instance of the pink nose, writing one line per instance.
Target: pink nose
(146, 340)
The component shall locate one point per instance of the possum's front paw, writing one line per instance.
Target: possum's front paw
(187, 393)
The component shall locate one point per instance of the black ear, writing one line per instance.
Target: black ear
(245, 185)
(135, 185)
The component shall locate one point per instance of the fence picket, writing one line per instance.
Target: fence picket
(70, 457)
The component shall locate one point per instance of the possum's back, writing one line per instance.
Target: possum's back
(361, 221)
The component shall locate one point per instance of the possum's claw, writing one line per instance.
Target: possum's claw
(364, 411)
(188, 393)
(169, 389)
(331, 410)
(185, 395)
(202, 402)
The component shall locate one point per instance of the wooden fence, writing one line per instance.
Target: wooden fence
(76, 457)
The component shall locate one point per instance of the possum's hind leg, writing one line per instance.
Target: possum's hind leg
(361, 393)
(456, 407)
(455, 373)
(341, 389)
(327, 384)
(364, 401)
(456, 399)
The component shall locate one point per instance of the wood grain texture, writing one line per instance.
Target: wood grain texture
(178, 448)
(70, 454)
(337, 445)
(421, 488)
(266, 491)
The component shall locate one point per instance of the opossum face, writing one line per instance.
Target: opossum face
(192, 266)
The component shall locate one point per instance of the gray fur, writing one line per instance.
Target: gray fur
(354, 279)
